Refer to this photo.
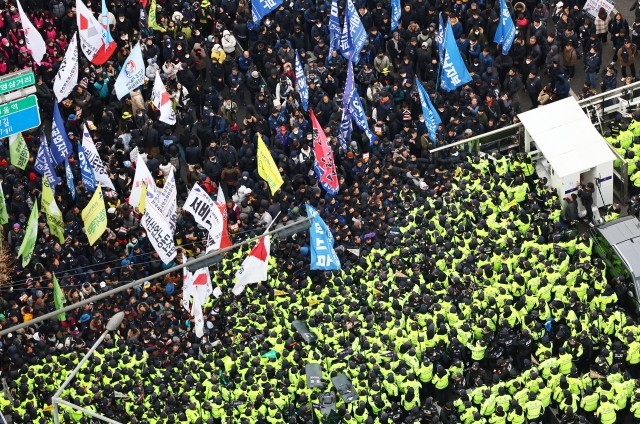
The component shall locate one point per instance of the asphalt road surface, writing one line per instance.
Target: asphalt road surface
(577, 82)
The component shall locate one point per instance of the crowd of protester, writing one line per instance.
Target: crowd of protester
(463, 295)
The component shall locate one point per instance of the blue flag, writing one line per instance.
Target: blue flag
(262, 8)
(358, 115)
(301, 83)
(70, 181)
(345, 125)
(323, 256)
(454, 72)
(334, 29)
(353, 34)
(431, 117)
(395, 14)
(88, 177)
(440, 38)
(60, 145)
(44, 163)
(506, 32)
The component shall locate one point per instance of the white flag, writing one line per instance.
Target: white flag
(90, 31)
(35, 42)
(186, 288)
(166, 202)
(206, 213)
(67, 76)
(201, 283)
(220, 198)
(92, 155)
(158, 230)
(196, 313)
(142, 176)
(162, 101)
(255, 267)
(131, 75)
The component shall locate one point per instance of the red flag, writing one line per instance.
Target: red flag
(324, 165)
(226, 241)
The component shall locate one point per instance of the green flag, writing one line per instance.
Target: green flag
(58, 298)
(50, 208)
(270, 354)
(18, 151)
(3, 208)
(29, 241)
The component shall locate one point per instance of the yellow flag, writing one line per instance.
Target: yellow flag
(267, 168)
(51, 209)
(279, 293)
(95, 216)
(143, 199)
(512, 203)
(376, 291)
(314, 302)
(152, 18)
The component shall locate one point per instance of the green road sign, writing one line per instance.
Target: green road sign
(16, 80)
(17, 105)
(19, 115)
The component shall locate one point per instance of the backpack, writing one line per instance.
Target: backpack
(175, 162)
(58, 9)
(209, 186)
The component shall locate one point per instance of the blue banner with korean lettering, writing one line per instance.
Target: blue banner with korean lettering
(261, 8)
(440, 38)
(60, 144)
(88, 176)
(70, 180)
(358, 115)
(454, 72)
(431, 117)
(353, 34)
(301, 84)
(323, 256)
(346, 126)
(44, 162)
(506, 32)
(395, 14)
(334, 29)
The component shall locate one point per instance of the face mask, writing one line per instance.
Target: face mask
(121, 19)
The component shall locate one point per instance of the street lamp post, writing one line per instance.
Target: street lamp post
(112, 325)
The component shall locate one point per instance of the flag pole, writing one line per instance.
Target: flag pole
(444, 39)
(272, 222)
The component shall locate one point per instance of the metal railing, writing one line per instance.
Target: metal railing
(500, 140)
(299, 225)
(603, 107)
(621, 178)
